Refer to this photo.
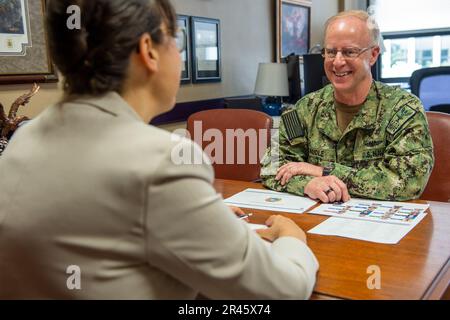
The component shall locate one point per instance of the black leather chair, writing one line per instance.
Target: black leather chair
(441, 108)
(431, 85)
(252, 103)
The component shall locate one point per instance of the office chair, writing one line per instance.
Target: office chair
(438, 187)
(253, 103)
(441, 108)
(431, 85)
(238, 155)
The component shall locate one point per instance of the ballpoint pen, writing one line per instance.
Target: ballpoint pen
(245, 216)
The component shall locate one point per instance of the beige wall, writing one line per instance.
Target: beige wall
(321, 10)
(250, 28)
(248, 37)
(355, 4)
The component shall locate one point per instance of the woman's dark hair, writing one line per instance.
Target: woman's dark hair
(94, 59)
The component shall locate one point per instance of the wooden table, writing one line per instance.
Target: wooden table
(418, 267)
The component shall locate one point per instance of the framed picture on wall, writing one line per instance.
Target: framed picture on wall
(186, 74)
(293, 21)
(206, 62)
(24, 50)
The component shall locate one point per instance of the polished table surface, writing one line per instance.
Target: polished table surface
(417, 267)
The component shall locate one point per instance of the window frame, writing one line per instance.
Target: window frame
(407, 34)
(404, 34)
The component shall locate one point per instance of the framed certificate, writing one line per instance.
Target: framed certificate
(24, 50)
(186, 74)
(206, 62)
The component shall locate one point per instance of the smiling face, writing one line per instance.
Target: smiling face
(349, 76)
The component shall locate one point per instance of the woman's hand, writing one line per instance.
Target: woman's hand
(279, 226)
(238, 212)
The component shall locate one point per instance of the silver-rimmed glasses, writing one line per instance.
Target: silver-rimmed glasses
(347, 53)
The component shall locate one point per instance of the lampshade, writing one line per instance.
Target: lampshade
(272, 80)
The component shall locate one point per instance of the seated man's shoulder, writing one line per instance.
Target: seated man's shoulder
(326, 93)
(397, 98)
(310, 102)
(400, 108)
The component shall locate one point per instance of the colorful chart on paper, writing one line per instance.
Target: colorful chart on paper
(373, 210)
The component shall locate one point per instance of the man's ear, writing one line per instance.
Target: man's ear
(148, 53)
(375, 53)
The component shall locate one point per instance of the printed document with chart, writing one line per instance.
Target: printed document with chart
(370, 220)
(270, 200)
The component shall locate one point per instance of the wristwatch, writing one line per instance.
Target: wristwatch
(327, 170)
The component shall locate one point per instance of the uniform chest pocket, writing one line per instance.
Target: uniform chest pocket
(297, 141)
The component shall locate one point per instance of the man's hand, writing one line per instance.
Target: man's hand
(287, 171)
(327, 189)
(280, 226)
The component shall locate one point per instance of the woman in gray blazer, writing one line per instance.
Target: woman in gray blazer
(93, 204)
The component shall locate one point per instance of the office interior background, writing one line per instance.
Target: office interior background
(415, 36)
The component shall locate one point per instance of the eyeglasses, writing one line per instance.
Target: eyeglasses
(180, 39)
(348, 53)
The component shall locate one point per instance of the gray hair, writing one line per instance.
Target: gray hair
(372, 25)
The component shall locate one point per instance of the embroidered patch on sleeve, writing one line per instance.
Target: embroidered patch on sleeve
(294, 128)
(399, 119)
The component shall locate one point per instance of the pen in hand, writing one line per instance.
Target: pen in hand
(245, 216)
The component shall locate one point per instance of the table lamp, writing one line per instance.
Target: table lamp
(272, 82)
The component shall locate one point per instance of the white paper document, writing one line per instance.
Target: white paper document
(370, 220)
(255, 226)
(270, 200)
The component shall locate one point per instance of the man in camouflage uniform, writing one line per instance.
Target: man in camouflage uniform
(355, 136)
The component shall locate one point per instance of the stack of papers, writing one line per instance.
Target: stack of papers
(270, 200)
(370, 220)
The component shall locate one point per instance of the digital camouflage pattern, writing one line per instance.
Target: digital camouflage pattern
(385, 153)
